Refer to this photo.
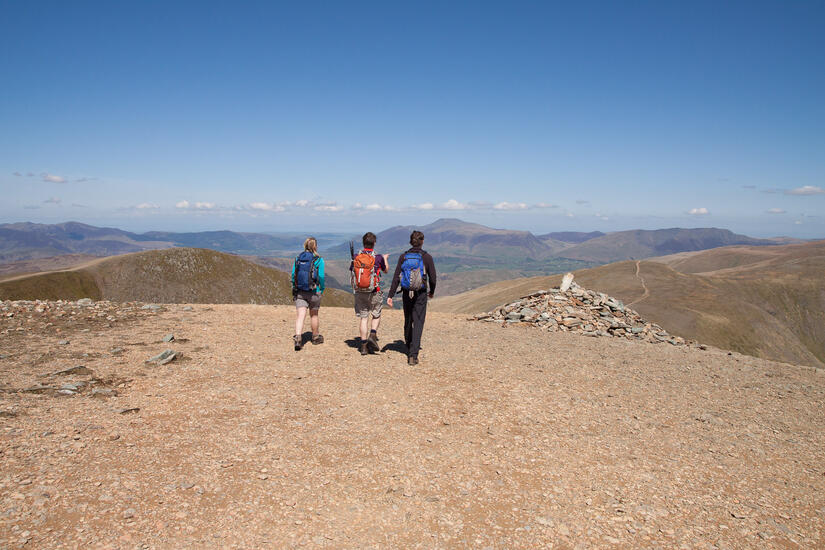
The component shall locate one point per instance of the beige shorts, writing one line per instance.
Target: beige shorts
(369, 303)
(308, 298)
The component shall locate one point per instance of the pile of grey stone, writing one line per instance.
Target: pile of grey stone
(572, 308)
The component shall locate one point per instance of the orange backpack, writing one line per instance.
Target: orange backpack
(363, 272)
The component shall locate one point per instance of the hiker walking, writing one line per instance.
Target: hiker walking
(415, 270)
(366, 269)
(307, 287)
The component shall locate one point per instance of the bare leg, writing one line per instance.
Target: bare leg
(375, 322)
(314, 321)
(299, 320)
(363, 326)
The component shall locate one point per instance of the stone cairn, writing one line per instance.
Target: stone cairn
(572, 308)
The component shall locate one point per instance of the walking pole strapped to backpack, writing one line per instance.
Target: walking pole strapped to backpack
(363, 272)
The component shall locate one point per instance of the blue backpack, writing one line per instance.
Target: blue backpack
(413, 275)
(306, 274)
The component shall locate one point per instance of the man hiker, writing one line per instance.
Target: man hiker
(414, 272)
(307, 287)
(366, 268)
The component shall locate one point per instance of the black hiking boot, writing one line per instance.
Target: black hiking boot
(412, 361)
(372, 342)
(364, 349)
(298, 341)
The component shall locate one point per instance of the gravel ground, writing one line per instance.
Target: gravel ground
(500, 438)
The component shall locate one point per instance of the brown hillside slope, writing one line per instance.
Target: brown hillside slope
(774, 310)
(175, 275)
(52, 263)
(501, 438)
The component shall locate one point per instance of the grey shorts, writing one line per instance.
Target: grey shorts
(308, 298)
(369, 303)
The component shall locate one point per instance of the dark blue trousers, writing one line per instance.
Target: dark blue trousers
(415, 311)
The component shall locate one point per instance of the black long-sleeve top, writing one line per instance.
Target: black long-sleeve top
(429, 267)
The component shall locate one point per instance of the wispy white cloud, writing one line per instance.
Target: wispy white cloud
(544, 205)
(147, 206)
(52, 200)
(698, 211)
(328, 208)
(453, 204)
(266, 207)
(775, 211)
(424, 206)
(582, 202)
(373, 207)
(186, 205)
(51, 178)
(510, 206)
(805, 190)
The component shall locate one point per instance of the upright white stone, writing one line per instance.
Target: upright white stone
(566, 282)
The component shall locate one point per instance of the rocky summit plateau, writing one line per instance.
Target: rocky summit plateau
(150, 425)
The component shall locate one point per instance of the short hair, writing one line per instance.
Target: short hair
(311, 245)
(416, 238)
(368, 239)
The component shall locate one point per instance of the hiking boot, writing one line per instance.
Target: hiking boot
(298, 341)
(412, 360)
(364, 349)
(317, 339)
(372, 342)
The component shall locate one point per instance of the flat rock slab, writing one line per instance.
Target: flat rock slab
(163, 357)
(79, 370)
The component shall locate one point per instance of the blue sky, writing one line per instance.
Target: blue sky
(343, 116)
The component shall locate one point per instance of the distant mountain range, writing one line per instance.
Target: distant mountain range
(28, 241)
(177, 275)
(639, 244)
(459, 245)
(458, 238)
(453, 237)
(574, 237)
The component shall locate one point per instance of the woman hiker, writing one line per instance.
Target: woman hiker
(307, 288)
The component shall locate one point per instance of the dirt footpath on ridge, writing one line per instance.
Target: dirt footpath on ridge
(500, 438)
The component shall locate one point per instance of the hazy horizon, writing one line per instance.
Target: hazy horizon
(357, 229)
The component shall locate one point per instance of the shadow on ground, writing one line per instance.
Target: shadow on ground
(397, 346)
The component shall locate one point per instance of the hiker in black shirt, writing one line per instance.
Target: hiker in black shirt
(414, 299)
